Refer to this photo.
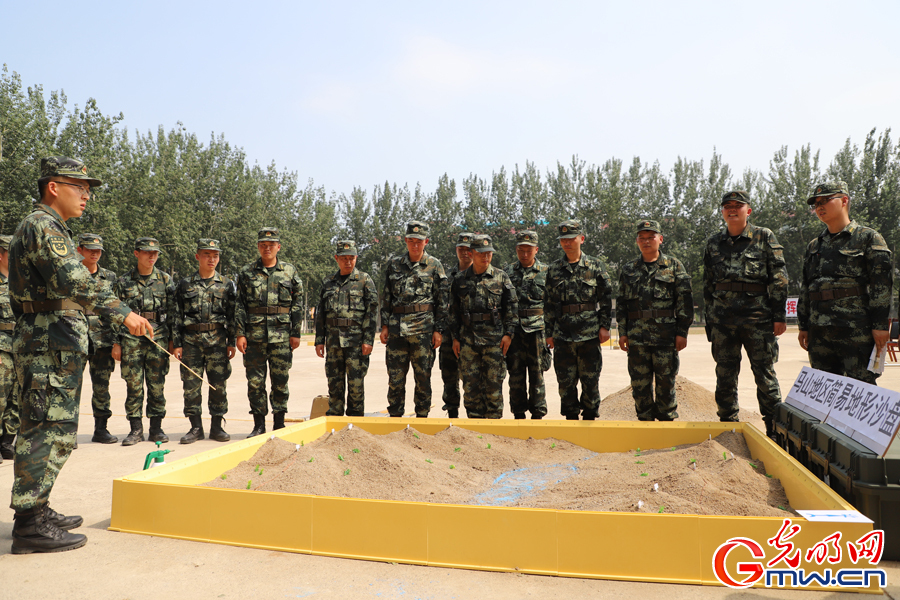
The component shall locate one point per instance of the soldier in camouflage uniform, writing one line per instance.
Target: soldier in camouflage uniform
(345, 331)
(151, 293)
(528, 354)
(654, 310)
(413, 318)
(577, 315)
(100, 342)
(845, 296)
(203, 336)
(9, 414)
(49, 289)
(744, 291)
(483, 320)
(447, 360)
(268, 318)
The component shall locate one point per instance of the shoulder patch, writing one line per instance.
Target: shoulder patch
(58, 245)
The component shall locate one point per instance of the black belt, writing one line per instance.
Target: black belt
(341, 322)
(741, 287)
(531, 312)
(205, 326)
(411, 308)
(576, 308)
(42, 306)
(477, 317)
(7, 326)
(651, 314)
(269, 310)
(835, 294)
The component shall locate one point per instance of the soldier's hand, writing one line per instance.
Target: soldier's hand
(241, 344)
(295, 342)
(384, 334)
(680, 343)
(779, 328)
(367, 349)
(881, 338)
(231, 352)
(117, 352)
(436, 340)
(623, 342)
(504, 344)
(456, 348)
(320, 350)
(177, 353)
(550, 343)
(803, 338)
(138, 325)
(604, 335)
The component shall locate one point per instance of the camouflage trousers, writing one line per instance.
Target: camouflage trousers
(574, 362)
(142, 360)
(761, 345)
(842, 351)
(523, 360)
(483, 371)
(449, 365)
(645, 363)
(402, 352)
(49, 412)
(278, 358)
(213, 360)
(346, 368)
(101, 366)
(9, 395)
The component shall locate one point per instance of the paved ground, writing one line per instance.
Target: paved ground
(116, 565)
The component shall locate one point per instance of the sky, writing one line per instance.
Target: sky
(358, 93)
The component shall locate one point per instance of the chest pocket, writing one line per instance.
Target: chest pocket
(355, 300)
(534, 288)
(191, 300)
(218, 300)
(664, 285)
(850, 262)
(423, 283)
(285, 290)
(754, 265)
(717, 265)
(490, 295)
(584, 289)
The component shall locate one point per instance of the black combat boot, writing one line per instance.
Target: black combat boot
(770, 428)
(101, 433)
(62, 521)
(278, 421)
(452, 413)
(156, 431)
(196, 432)
(137, 432)
(33, 531)
(259, 425)
(216, 432)
(518, 415)
(8, 446)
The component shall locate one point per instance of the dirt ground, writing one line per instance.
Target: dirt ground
(117, 565)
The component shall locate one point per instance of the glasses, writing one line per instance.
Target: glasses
(822, 202)
(84, 191)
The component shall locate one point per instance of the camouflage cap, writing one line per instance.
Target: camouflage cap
(736, 196)
(648, 225)
(482, 243)
(90, 241)
(147, 243)
(4, 242)
(526, 238)
(208, 244)
(464, 240)
(345, 248)
(570, 229)
(829, 188)
(417, 230)
(268, 234)
(62, 166)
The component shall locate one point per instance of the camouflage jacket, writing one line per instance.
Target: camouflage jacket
(101, 331)
(663, 285)
(353, 298)
(199, 302)
(473, 296)
(258, 289)
(153, 294)
(757, 259)
(6, 316)
(530, 284)
(406, 284)
(585, 282)
(43, 265)
(453, 273)
(856, 257)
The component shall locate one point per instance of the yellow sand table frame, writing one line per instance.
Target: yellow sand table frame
(166, 501)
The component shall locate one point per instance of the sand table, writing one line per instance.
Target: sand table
(458, 466)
